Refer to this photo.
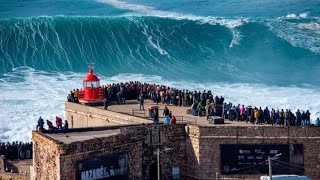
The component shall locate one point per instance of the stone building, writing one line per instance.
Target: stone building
(187, 151)
(63, 153)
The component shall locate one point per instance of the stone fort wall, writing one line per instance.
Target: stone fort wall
(139, 143)
(194, 149)
(203, 146)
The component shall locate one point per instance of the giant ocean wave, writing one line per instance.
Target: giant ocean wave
(262, 62)
(259, 51)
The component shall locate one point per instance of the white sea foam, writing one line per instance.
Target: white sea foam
(151, 11)
(296, 34)
(304, 15)
(236, 36)
(27, 94)
(296, 16)
(313, 26)
(154, 45)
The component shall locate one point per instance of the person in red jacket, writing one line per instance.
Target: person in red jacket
(173, 120)
(59, 123)
(50, 126)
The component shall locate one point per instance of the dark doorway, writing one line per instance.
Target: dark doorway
(153, 171)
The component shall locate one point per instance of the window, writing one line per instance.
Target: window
(155, 137)
(94, 84)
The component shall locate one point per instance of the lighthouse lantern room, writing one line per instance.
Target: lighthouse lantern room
(91, 88)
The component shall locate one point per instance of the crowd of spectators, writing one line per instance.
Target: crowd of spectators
(162, 94)
(60, 127)
(201, 103)
(273, 117)
(16, 150)
(73, 96)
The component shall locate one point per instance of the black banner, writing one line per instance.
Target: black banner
(253, 159)
(105, 167)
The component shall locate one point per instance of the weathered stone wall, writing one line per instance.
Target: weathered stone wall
(206, 143)
(194, 149)
(192, 152)
(138, 142)
(122, 143)
(10, 176)
(79, 116)
(172, 150)
(46, 154)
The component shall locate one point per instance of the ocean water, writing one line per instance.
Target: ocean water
(270, 58)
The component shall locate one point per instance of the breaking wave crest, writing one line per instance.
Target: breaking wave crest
(153, 45)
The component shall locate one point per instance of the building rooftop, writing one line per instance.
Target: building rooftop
(71, 137)
(131, 108)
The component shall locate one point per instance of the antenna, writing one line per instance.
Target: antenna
(90, 65)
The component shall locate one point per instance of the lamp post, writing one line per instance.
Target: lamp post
(270, 168)
(270, 164)
(158, 163)
(158, 160)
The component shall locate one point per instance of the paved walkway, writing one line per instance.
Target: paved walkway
(132, 108)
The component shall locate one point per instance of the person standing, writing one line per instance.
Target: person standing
(167, 120)
(155, 116)
(277, 117)
(194, 109)
(208, 111)
(166, 111)
(256, 115)
(51, 128)
(266, 115)
(66, 126)
(298, 116)
(75, 93)
(105, 103)
(303, 119)
(281, 117)
(308, 114)
(317, 122)
(40, 124)
(119, 95)
(173, 120)
(141, 99)
(72, 96)
(242, 112)
(287, 118)
(272, 117)
(59, 123)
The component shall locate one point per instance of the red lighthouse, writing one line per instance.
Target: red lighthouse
(91, 93)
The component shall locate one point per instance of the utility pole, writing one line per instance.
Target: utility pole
(158, 161)
(270, 168)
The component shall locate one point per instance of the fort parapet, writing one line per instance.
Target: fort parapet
(86, 116)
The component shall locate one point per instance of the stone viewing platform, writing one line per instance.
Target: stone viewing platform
(129, 113)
